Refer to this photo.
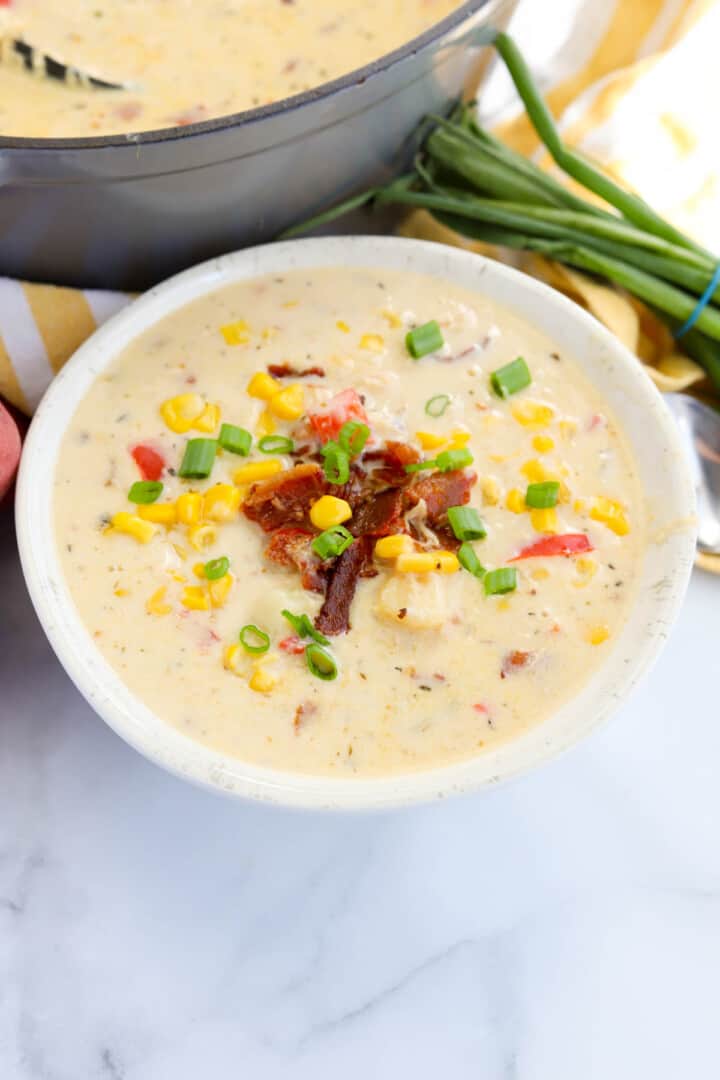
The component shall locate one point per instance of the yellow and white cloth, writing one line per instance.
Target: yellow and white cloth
(634, 83)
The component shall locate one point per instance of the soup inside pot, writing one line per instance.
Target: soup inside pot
(183, 61)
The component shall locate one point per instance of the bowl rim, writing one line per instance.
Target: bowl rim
(284, 106)
(647, 629)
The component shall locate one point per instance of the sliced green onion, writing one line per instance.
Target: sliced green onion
(235, 440)
(144, 492)
(216, 568)
(336, 465)
(276, 444)
(424, 339)
(321, 663)
(198, 459)
(466, 523)
(542, 496)
(469, 560)
(512, 377)
(453, 459)
(352, 437)
(418, 466)
(499, 582)
(254, 640)
(437, 405)
(303, 627)
(332, 542)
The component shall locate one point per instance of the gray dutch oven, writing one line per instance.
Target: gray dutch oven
(126, 211)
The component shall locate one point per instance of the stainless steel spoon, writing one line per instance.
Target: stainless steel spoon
(699, 426)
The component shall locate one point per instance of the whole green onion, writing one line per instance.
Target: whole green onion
(198, 459)
(424, 340)
(144, 492)
(542, 496)
(235, 440)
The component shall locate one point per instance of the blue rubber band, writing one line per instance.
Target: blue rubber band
(701, 305)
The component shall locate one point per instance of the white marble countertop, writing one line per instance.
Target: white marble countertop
(565, 927)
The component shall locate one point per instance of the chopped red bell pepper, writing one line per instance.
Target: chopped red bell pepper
(149, 461)
(346, 405)
(292, 644)
(565, 544)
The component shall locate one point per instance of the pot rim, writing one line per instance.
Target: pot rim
(662, 576)
(285, 106)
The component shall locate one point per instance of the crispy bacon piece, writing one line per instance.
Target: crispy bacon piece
(334, 615)
(286, 498)
(291, 547)
(514, 661)
(441, 491)
(392, 459)
(287, 371)
(379, 515)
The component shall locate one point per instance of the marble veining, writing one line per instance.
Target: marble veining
(562, 927)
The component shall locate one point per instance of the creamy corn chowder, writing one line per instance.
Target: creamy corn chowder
(183, 61)
(348, 522)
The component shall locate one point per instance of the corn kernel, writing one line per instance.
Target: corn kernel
(232, 657)
(532, 413)
(263, 386)
(429, 440)
(257, 470)
(195, 598)
(180, 578)
(329, 511)
(343, 326)
(180, 552)
(199, 570)
(545, 521)
(236, 333)
(543, 444)
(490, 489)
(535, 471)
(208, 419)
(262, 681)
(221, 502)
(503, 605)
(458, 440)
(202, 536)
(541, 574)
(392, 319)
(156, 604)
(586, 568)
(179, 413)
(189, 508)
(425, 562)
(131, 525)
(220, 590)
(121, 592)
(372, 342)
(389, 547)
(598, 634)
(288, 404)
(159, 513)
(611, 514)
(515, 501)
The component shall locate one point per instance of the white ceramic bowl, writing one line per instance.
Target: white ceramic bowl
(608, 364)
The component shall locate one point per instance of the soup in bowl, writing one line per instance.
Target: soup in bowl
(353, 522)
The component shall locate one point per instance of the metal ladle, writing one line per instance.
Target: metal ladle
(699, 426)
